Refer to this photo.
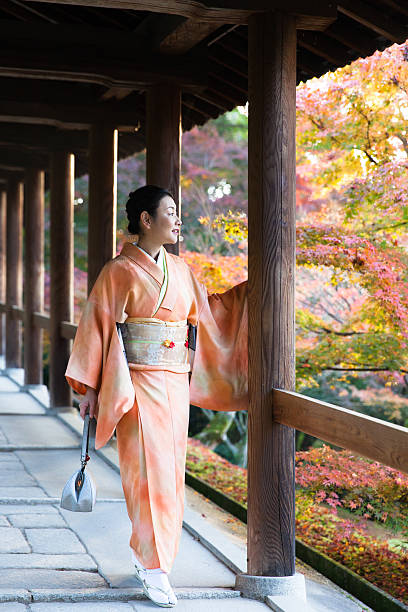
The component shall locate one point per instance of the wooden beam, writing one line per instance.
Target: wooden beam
(14, 274)
(216, 100)
(227, 78)
(26, 13)
(79, 36)
(186, 36)
(221, 11)
(229, 92)
(61, 272)
(16, 313)
(155, 28)
(351, 36)
(362, 434)
(116, 92)
(41, 320)
(234, 44)
(271, 297)
(68, 115)
(68, 330)
(396, 6)
(9, 175)
(229, 60)
(103, 152)
(33, 273)
(81, 66)
(208, 111)
(13, 158)
(163, 142)
(375, 20)
(41, 138)
(310, 63)
(324, 47)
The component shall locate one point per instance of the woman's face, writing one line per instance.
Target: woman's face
(164, 228)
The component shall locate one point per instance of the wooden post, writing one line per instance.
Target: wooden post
(33, 273)
(14, 271)
(163, 141)
(3, 217)
(272, 103)
(103, 146)
(62, 272)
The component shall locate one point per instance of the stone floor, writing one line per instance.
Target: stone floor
(55, 560)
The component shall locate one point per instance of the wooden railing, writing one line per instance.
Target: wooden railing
(362, 434)
(373, 438)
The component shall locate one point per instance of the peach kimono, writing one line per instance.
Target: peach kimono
(149, 404)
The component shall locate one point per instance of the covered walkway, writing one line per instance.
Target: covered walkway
(55, 560)
(87, 82)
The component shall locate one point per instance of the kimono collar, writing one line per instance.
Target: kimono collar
(150, 266)
(144, 261)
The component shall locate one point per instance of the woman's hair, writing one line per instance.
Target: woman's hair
(145, 198)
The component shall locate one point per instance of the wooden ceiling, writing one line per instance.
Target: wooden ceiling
(69, 63)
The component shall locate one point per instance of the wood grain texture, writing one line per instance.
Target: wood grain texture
(14, 271)
(103, 154)
(68, 330)
(220, 11)
(16, 313)
(42, 320)
(365, 435)
(3, 241)
(69, 114)
(374, 19)
(41, 137)
(163, 142)
(80, 66)
(187, 8)
(33, 273)
(62, 272)
(187, 35)
(272, 91)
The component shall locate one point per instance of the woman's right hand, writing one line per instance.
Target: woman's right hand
(89, 403)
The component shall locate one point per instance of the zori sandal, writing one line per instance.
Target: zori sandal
(163, 597)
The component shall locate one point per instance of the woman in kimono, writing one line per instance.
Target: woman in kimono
(130, 362)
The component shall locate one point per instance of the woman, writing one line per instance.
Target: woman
(130, 362)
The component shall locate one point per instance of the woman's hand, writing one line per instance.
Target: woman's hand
(89, 402)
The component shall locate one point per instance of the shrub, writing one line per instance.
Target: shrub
(337, 479)
(366, 488)
(347, 543)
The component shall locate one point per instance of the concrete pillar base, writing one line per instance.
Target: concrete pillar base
(16, 375)
(39, 393)
(259, 587)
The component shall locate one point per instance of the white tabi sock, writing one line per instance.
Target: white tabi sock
(155, 577)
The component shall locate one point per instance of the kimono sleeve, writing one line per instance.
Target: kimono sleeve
(219, 379)
(94, 334)
(85, 363)
(97, 359)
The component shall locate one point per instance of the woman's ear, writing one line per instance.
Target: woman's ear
(145, 219)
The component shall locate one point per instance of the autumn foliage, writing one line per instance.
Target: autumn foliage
(327, 480)
(366, 488)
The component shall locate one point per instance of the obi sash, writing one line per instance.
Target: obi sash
(149, 341)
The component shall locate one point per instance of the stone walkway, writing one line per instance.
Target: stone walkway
(55, 560)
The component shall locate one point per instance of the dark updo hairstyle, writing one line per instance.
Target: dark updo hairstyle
(145, 198)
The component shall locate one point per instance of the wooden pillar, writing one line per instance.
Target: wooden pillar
(272, 103)
(33, 273)
(103, 146)
(62, 272)
(163, 141)
(3, 217)
(14, 271)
